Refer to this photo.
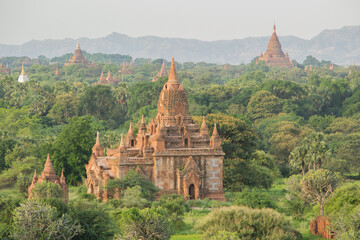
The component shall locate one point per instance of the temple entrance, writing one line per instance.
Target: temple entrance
(192, 191)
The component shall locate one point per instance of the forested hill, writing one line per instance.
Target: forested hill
(341, 46)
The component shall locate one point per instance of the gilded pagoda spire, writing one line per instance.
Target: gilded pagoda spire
(274, 29)
(22, 70)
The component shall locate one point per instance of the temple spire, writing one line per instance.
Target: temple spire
(142, 121)
(77, 44)
(204, 129)
(62, 173)
(22, 70)
(48, 168)
(215, 132)
(172, 75)
(130, 132)
(97, 138)
(274, 29)
(122, 143)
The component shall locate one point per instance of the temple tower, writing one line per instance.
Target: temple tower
(274, 56)
(49, 174)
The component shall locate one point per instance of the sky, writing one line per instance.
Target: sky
(25, 20)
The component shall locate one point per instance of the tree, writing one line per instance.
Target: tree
(317, 186)
(147, 224)
(132, 198)
(34, 220)
(72, 148)
(94, 218)
(132, 179)
(249, 223)
(65, 107)
(6, 146)
(47, 189)
(263, 104)
(298, 156)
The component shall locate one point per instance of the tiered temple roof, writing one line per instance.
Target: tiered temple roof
(49, 174)
(77, 58)
(274, 56)
(177, 155)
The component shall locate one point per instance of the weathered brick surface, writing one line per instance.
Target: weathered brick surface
(321, 226)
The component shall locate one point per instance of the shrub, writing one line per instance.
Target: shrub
(347, 226)
(47, 189)
(173, 203)
(345, 198)
(254, 198)
(36, 220)
(132, 179)
(146, 224)
(132, 198)
(23, 182)
(175, 206)
(224, 235)
(249, 224)
(95, 219)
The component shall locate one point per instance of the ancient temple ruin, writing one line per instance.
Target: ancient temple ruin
(177, 155)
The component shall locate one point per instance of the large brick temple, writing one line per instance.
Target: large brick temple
(274, 56)
(77, 58)
(177, 155)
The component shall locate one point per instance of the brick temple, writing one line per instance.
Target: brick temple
(162, 72)
(77, 58)
(171, 151)
(49, 174)
(274, 56)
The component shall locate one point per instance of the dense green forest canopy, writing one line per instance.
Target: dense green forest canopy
(274, 123)
(258, 109)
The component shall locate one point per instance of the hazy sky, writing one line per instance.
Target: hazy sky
(24, 20)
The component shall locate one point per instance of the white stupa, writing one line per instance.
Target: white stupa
(23, 77)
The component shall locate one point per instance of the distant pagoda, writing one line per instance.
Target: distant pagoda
(77, 58)
(162, 72)
(274, 56)
(23, 77)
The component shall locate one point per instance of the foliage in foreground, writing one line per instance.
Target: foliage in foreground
(34, 220)
(249, 224)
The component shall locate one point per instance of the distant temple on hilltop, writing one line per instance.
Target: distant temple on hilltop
(77, 58)
(172, 152)
(274, 56)
(23, 77)
(162, 72)
(49, 174)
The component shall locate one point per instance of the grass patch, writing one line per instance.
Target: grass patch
(192, 236)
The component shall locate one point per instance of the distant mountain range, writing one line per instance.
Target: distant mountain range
(341, 46)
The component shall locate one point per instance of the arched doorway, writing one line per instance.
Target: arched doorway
(192, 191)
